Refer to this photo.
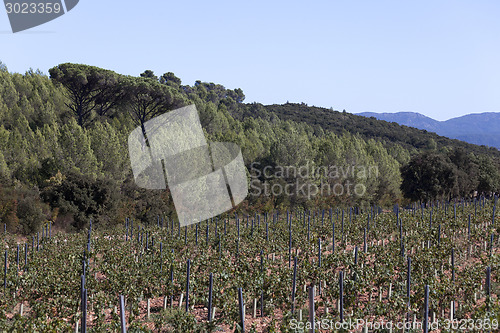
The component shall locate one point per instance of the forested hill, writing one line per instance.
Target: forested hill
(64, 154)
(477, 128)
(369, 128)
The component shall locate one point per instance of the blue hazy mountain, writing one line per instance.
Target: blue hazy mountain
(477, 128)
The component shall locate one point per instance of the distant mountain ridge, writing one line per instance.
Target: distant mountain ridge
(476, 128)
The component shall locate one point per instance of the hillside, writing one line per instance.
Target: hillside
(368, 128)
(479, 129)
(64, 155)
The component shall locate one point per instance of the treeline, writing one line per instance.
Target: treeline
(64, 156)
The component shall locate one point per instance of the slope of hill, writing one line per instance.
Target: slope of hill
(479, 128)
(67, 161)
(368, 128)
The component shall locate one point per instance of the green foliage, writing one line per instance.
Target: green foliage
(80, 198)
(146, 98)
(30, 214)
(76, 124)
(147, 205)
(457, 174)
(90, 89)
(8, 208)
(427, 176)
(489, 175)
(76, 150)
(170, 79)
(177, 320)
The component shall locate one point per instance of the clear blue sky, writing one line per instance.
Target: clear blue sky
(439, 58)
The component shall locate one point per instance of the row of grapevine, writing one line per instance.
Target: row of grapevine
(338, 264)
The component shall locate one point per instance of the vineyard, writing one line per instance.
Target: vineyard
(260, 272)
